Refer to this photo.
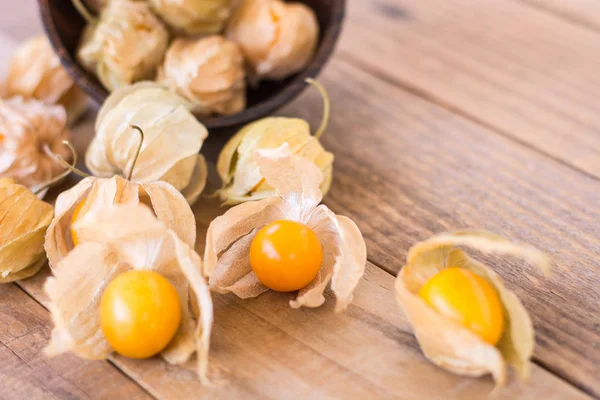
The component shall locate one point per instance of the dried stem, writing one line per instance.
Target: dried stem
(61, 161)
(137, 153)
(84, 12)
(326, 106)
(62, 176)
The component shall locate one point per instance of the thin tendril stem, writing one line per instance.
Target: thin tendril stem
(60, 177)
(326, 106)
(62, 161)
(84, 12)
(139, 149)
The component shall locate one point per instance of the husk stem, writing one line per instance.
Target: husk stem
(137, 153)
(61, 161)
(84, 12)
(60, 177)
(326, 106)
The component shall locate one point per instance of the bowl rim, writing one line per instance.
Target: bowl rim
(266, 107)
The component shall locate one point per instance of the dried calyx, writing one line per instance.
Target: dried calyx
(29, 129)
(125, 44)
(35, 72)
(449, 341)
(237, 165)
(194, 17)
(172, 141)
(93, 196)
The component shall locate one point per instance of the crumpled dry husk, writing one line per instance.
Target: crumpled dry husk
(194, 17)
(23, 222)
(449, 344)
(119, 239)
(297, 180)
(125, 45)
(103, 194)
(237, 165)
(208, 72)
(35, 72)
(278, 39)
(31, 132)
(172, 139)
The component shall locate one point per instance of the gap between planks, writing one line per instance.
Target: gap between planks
(430, 97)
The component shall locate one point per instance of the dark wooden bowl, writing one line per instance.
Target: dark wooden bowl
(64, 26)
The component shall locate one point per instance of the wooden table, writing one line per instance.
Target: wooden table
(447, 114)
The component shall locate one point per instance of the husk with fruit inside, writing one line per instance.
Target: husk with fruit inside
(172, 139)
(23, 222)
(122, 238)
(449, 344)
(278, 38)
(296, 180)
(124, 45)
(31, 134)
(102, 195)
(194, 17)
(237, 165)
(35, 72)
(208, 72)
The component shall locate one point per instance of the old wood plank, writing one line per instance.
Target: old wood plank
(406, 169)
(504, 64)
(582, 12)
(25, 373)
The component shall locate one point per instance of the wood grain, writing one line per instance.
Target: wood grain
(25, 373)
(504, 64)
(406, 169)
(579, 12)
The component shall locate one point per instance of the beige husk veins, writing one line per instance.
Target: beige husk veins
(278, 38)
(23, 222)
(208, 72)
(35, 72)
(31, 132)
(237, 165)
(121, 238)
(296, 181)
(125, 45)
(194, 17)
(449, 344)
(172, 139)
(101, 195)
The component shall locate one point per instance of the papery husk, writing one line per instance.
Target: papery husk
(125, 45)
(31, 133)
(238, 167)
(35, 72)
(278, 39)
(296, 180)
(208, 72)
(126, 237)
(23, 222)
(103, 194)
(449, 344)
(194, 17)
(172, 139)
(95, 6)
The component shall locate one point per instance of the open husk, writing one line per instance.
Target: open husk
(31, 134)
(208, 72)
(194, 17)
(172, 139)
(35, 72)
(125, 45)
(238, 167)
(23, 222)
(449, 344)
(103, 194)
(119, 239)
(278, 38)
(296, 181)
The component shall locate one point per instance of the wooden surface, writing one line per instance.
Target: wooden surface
(445, 115)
